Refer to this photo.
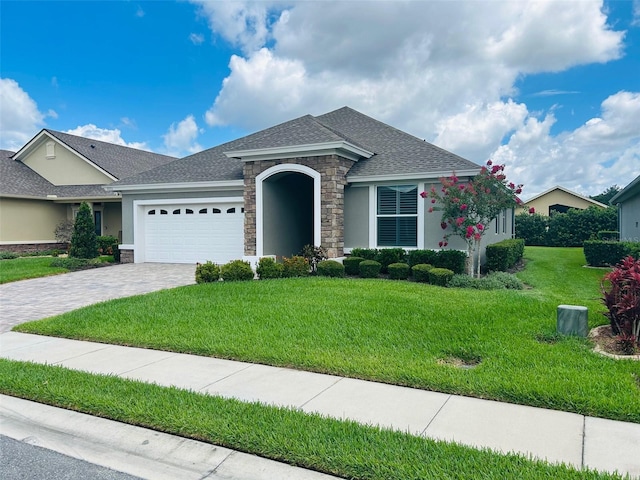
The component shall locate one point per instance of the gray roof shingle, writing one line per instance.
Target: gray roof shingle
(395, 152)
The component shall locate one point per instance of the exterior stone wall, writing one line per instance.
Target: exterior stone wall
(126, 256)
(33, 247)
(333, 171)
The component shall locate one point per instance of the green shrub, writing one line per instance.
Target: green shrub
(314, 255)
(421, 271)
(236, 270)
(8, 255)
(269, 268)
(330, 268)
(387, 256)
(351, 265)
(369, 269)
(454, 260)
(398, 271)
(440, 276)
(295, 266)
(600, 253)
(83, 239)
(425, 257)
(460, 280)
(504, 255)
(207, 272)
(366, 253)
(571, 229)
(72, 263)
(532, 228)
(106, 244)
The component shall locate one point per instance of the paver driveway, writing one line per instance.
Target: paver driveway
(44, 297)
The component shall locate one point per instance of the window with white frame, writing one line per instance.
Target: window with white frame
(397, 216)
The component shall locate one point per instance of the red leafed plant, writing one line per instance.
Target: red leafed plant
(623, 302)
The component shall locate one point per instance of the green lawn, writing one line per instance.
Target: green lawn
(27, 267)
(391, 331)
(341, 448)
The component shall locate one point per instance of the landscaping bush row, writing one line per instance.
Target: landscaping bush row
(451, 259)
(504, 255)
(601, 253)
(569, 229)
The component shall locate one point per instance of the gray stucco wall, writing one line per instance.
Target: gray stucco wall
(128, 199)
(629, 219)
(356, 217)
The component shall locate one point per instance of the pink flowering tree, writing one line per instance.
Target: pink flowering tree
(468, 207)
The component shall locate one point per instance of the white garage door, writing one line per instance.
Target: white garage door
(194, 233)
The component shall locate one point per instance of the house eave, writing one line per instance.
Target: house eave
(177, 187)
(409, 176)
(342, 148)
(626, 192)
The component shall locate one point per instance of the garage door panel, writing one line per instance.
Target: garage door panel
(183, 237)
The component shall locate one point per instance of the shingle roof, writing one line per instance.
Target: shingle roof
(395, 152)
(118, 160)
(24, 182)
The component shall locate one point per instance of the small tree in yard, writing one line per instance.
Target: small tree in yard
(83, 240)
(469, 207)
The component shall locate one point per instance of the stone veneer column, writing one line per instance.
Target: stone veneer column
(333, 171)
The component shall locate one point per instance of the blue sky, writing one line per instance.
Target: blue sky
(551, 89)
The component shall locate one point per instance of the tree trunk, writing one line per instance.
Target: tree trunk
(469, 259)
(479, 250)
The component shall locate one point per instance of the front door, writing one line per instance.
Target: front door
(97, 218)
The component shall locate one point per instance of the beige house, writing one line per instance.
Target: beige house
(559, 200)
(43, 184)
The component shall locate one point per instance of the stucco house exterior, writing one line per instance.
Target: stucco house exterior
(559, 199)
(341, 180)
(43, 184)
(628, 203)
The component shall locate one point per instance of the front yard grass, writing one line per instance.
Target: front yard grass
(27, 267)
(390, 331)
(342, 448)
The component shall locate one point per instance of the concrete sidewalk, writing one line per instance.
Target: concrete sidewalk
(550, 435)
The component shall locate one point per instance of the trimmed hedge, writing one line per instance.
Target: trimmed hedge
(268, 268)
(387, 256)
(236, 270)
(330, 268)
(366, 253)
(398, 271)
(503, 255)
(107, 244)
(351, 265)
(440, 276)
(369, 269)
(422, 257)
(454, 260)
(295, 266)
(601, 253)
(207, 272)
(421, 271)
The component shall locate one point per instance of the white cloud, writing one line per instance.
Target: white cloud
(181, 137)
(443, 71)
(105, 135)
(602, 152)
(140, 12)
(196, 38)
(20, 118)
(636, 13)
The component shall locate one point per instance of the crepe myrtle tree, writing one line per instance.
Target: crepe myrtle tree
(468, 207)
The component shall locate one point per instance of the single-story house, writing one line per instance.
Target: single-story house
(340, 180)
(558, 200)
(628, 202)
(43, 184)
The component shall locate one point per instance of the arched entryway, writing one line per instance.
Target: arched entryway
(287, 210)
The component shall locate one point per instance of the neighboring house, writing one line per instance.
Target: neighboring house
(628, 202)
(340, 180)
(559, 200)
(43, 184)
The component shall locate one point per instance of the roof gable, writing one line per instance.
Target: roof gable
(627, 192)
(568, 192)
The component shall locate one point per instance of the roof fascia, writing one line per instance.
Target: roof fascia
(38, 140)
(176, 187)
(626, 191)
(59, 199)
(342, 148)
(409, 176)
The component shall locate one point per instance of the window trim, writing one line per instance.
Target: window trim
(373, 215)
